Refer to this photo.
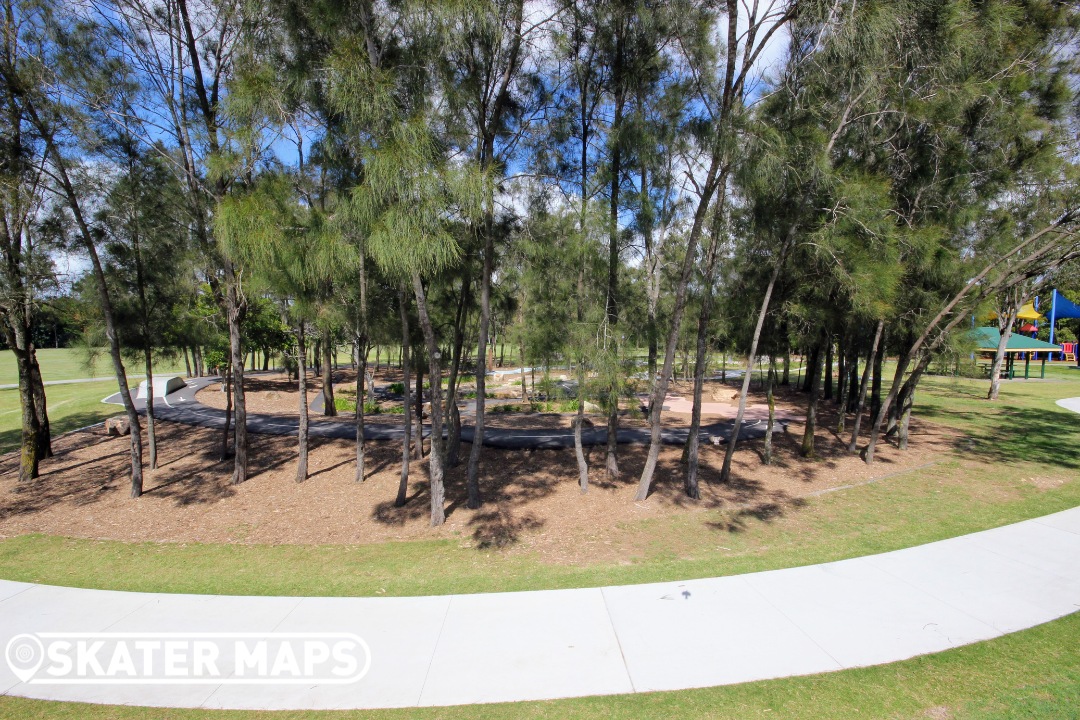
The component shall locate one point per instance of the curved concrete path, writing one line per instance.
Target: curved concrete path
(1070, 404)
(183, 407)
(449, 650)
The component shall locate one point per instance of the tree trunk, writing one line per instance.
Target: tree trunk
(842, 387)
(418, 414)
(999, 355)
(453, 415)
(437, 456)
(652, 270)
(234, 310)
(44, 438)
(787, 368)
(226, 380)
(853, 378)
(842, 356)
(329, 408)
(106, 303)
(612, 294)
(151, 434)
(403, 484)
(886, 406)
(690, 486)
(862, 386)
(579, 452)
(361, 379)
(187, 361)
(611, 461)
(686, 271)
(29, 456)
(361, 369)
(828, 367)
(905, 420)
(729, 452)
(302, 436)
(813, 367)
(811, 412)
(766, 452)
(472, 480)
(875, 388)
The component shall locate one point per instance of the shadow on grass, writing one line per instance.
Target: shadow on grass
(11, 438)
(1022, 434)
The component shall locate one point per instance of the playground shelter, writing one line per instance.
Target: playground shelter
(987, 339)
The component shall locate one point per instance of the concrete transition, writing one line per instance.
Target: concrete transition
(162, 386)
(458, 649)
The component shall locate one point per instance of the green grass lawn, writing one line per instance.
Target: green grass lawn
(73, 364)
(1033, 674)
(70, 407)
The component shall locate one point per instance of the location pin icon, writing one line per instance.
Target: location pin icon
(24, 654)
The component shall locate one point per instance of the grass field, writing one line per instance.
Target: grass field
(72, 364)
(1033, 674)
(70, 407)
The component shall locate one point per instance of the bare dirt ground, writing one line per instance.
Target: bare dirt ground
(532, 500)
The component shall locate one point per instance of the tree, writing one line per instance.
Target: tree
(59, 79)
(295, 254)
(145, 250)
(25, 268)
(410, 194)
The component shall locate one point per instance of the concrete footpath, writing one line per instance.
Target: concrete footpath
(1070, 404)
(448, 650)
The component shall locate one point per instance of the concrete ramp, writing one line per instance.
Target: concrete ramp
(163, 385)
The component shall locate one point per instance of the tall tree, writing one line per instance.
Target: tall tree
(25, 264)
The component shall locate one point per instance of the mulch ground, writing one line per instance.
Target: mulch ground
(531, 497)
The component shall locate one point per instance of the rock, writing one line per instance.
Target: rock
(117, 426)
(592, 407)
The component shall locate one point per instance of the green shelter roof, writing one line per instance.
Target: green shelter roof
(988, 338)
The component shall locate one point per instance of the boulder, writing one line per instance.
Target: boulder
(117, 426)
(592, 407)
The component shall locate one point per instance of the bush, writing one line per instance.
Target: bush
(344, 404)
(563, 406)
(397, 388)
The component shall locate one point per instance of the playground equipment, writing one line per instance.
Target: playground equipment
(1061, 308)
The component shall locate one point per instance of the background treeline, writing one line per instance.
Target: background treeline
(616, 188)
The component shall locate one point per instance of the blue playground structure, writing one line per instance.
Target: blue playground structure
(1061, 308)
